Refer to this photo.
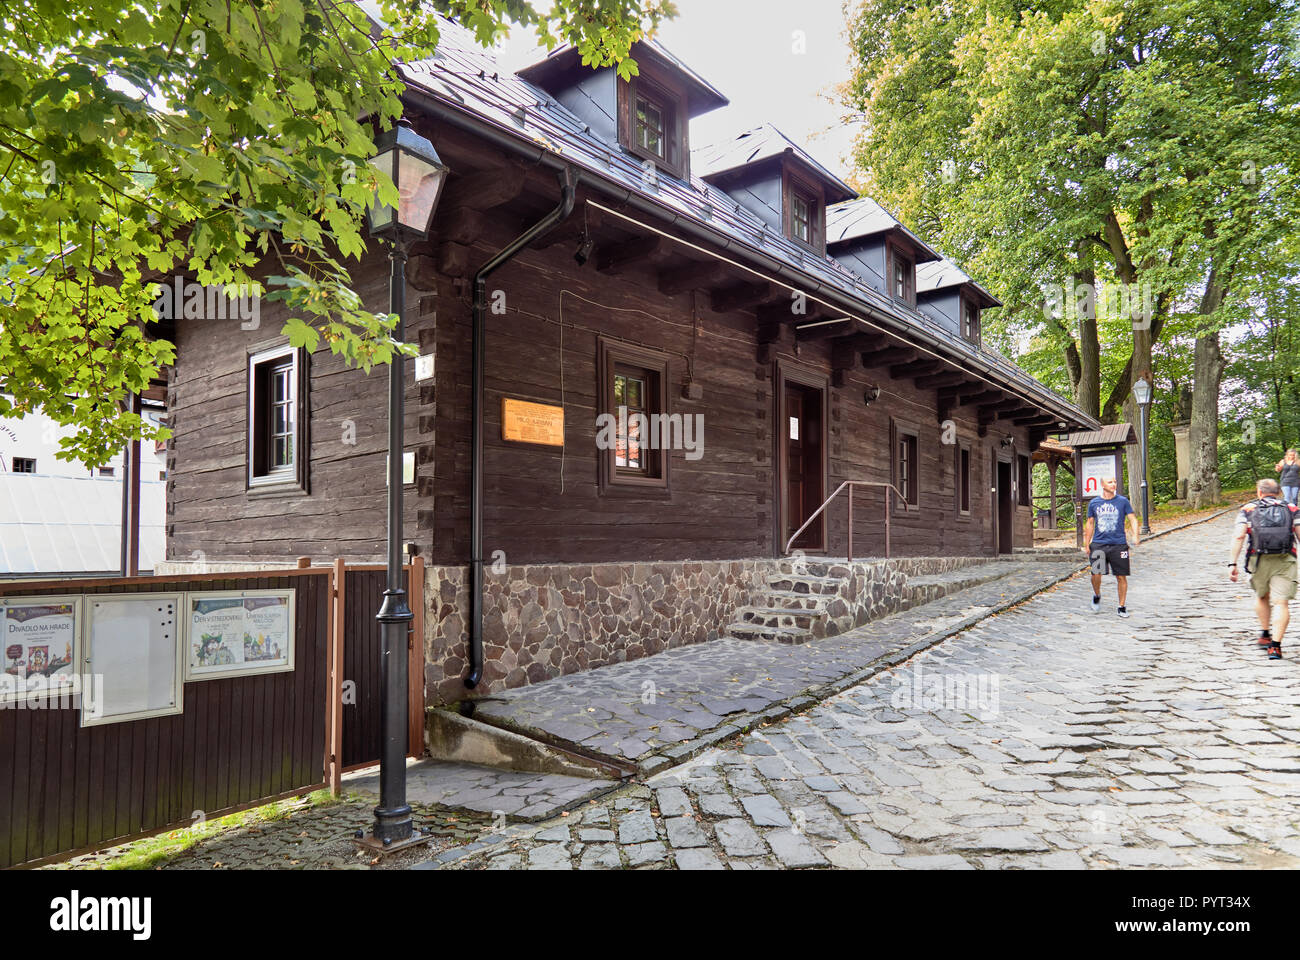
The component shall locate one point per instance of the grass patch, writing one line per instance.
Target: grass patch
(156, 850)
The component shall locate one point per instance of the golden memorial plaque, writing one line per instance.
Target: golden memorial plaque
(524, 422)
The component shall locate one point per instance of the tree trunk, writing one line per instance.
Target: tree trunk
(1087, 394)
(1203, 437)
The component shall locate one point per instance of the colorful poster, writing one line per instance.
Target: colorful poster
(235, 634)
(216, 633)
(39, 647)
(266, 630)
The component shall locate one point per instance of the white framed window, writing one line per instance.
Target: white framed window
(277, 452)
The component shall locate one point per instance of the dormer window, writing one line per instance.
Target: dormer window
(970, 320)
(805, 212)
(902, 276)
(653, 124)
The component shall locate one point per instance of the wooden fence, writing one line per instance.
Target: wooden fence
(237, 742)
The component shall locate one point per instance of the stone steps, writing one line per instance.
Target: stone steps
(936, 586)
(797, 606)
(756, 631)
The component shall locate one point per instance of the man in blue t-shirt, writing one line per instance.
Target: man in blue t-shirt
(1105, 544)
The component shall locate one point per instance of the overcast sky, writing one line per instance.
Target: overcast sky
(747, 49)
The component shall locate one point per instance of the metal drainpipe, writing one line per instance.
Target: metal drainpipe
(569, 182)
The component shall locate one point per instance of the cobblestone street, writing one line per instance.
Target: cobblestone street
(1044, 737)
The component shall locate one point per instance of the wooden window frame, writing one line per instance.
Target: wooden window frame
(899, 429)
(257, 477)
(610, 355)
(968, 304)
(13, 465)
(1024, 481)
(671, 101)
(794, 184)
(894, 254)
(963, 447)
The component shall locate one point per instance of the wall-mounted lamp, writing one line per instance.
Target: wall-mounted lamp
(1008, 441)
(871, 396)
(583, 253)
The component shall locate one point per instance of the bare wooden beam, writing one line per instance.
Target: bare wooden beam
(691, 276)
(945, 378)
(739, 297)
(984, 396)
(905, 371)
(882, 358)
(613, 258)
(485, 189)
(1001, 406)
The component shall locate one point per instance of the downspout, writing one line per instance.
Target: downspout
(569, 182)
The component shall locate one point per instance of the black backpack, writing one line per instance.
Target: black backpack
(1270, 529)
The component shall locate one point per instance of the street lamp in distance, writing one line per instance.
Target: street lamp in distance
(1142, 396)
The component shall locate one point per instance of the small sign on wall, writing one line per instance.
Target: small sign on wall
(524, 422)
(1095, 469)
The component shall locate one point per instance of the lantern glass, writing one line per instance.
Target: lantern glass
(1142, 392)
(381, 214)
(411, 162)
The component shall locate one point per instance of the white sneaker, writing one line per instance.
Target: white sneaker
(1096, 604)
(1122, 612)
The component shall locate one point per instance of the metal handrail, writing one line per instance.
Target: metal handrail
(838, 490)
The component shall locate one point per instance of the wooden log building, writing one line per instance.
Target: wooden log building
(744, 290)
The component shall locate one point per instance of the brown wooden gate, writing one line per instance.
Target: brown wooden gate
(360, 734)
(239, 740)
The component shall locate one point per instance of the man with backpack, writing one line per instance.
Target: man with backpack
(1270, 525)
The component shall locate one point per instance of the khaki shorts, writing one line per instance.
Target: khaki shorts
(1275, 577)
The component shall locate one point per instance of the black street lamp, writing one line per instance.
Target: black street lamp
(1142, 396)
(410, 161)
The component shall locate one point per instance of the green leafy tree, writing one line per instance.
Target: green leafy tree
(1084, 143)
(222, 140)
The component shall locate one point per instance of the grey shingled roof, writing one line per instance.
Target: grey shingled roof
(464, 77)
(754, 146)
(862, 218)
(943, 273)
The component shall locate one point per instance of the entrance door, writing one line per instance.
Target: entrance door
(1006, 513)
(804, 483)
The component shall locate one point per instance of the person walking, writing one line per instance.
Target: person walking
(1270, 524)
(1289, 468)
(1105, 543)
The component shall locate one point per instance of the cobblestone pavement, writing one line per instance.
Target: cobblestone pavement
(1058, 738)
(307, 833)
(500, 793)
(631, 711)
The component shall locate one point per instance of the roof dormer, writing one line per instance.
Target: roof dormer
(776, 180)
(871, 242)
(648, 116)
(946, 294)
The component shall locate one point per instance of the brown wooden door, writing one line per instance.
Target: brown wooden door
(803, 464)
(1006, 513)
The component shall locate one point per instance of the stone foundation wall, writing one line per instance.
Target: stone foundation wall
(546, 621)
